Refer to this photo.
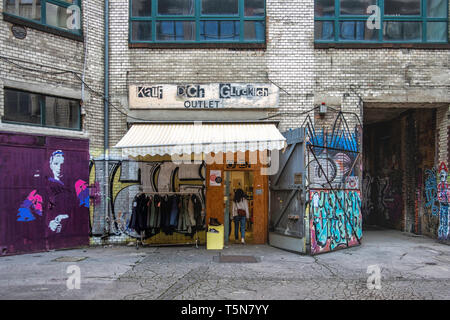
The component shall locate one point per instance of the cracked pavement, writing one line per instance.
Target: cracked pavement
(412, 267)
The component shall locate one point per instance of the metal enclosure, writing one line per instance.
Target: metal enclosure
(288, 196)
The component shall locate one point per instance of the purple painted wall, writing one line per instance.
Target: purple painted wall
(43, 204)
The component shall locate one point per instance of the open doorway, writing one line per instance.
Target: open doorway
(240, 180)
(399, 146)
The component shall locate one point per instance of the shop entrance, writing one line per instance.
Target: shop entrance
(245, 172)
(238, 180)
(399, 155)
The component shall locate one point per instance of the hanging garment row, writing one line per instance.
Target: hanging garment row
(152, 214)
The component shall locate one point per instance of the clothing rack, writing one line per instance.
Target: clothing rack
(164, 193)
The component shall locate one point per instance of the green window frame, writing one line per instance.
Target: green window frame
(10, 8)
(235, 24)
(40, 115)
(331, 28)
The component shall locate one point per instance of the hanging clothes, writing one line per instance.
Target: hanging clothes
(191, 211)
(152, 213)
(132, 224)
(165, 214)
(157, 206)
(181, 226)
(142, 214)
(186, 218)
(138, 219)
(197, 212)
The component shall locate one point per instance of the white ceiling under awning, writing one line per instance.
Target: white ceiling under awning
(176, 138)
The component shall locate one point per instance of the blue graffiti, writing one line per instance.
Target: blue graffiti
(336, 217)
(431, 197)
(339, 139)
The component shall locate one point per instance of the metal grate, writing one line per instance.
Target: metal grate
(237, 259)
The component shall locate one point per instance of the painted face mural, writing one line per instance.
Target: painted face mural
(56, 160)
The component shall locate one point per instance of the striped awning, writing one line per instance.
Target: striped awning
(175, 138)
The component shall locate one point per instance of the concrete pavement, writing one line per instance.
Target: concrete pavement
(411, 268)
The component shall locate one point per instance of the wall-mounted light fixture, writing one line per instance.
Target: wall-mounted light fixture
(322, 109)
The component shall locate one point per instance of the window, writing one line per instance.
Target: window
(51, 13)
(36, 109)
(197, 21)
(401, 21)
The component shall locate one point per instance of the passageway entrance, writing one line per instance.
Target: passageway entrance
(399, 143)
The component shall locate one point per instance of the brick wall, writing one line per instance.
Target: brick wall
(47, 52)
(344, 78)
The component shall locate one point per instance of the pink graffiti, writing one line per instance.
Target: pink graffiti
(82, 191)
(33, 203)
(36, 201)
(80, 186)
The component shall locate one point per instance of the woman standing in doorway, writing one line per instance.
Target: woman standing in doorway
(240, 214)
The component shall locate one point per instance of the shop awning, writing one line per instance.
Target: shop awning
(176, 138)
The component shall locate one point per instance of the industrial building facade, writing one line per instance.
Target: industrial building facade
(355, 115)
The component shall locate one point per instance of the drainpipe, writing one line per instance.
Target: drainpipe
(106, 116)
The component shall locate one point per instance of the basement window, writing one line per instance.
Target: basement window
(197, 21)
(23, 107)
(398, 21)
(54, 16)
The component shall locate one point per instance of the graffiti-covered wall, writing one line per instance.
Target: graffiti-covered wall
(436, 192)
(336, 220)
(405, 186)
(333, 175)
(127, 180)
(44, 194)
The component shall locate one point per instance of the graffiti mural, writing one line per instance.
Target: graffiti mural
(367, 205)
(443, 195)
(332, 155)
(40, 209)
(333, 178)
(436, 195)
(336, 220)
(382, 200)
(389, 201)
(129, 178)
(56, 161)
(82, 190)
(430, 190)
(32, 204)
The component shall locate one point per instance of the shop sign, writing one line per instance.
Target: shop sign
(203, 96)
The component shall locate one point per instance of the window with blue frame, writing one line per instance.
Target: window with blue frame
(414, 21)
(197, 21)
(55, 14)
